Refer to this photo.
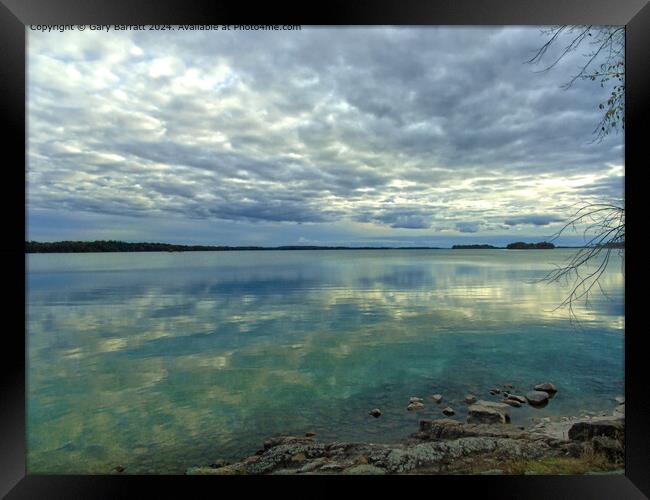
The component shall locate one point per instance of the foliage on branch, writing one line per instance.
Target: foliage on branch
(605, 63)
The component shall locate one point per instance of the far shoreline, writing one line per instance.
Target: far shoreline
(62, 247)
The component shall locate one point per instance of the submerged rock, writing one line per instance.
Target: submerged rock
(537, 398)
(375, 413)
(515, 397)
(470, 399)
(415, 405)
(448, 411)
(546, 387)
(512, 402)
(620, 400)
(487, 412)
(437, 398)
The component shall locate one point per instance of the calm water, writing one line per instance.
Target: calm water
(162, 361)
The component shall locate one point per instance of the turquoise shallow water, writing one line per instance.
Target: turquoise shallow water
(162, 361)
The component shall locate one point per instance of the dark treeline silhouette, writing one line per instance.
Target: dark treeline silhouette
(472, 247)
(520, 245)
(122, 246)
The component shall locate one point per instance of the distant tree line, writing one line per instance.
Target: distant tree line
(109, 246)
(520, 245)
(472, 247)
(122, 246)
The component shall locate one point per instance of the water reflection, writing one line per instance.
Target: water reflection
(163, 361)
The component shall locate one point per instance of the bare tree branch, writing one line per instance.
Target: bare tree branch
(604, 232)
(606, 44)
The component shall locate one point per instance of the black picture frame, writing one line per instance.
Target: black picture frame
(15, 15)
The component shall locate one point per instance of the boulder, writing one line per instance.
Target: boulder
(437, 398)
(470, 399)
(448, 411)
(537, 398)
(487, 412)
(414, 406)
(546, 387)
(375, 413)
(584, 431)
(515, 397)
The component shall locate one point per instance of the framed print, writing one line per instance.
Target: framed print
(389, 241)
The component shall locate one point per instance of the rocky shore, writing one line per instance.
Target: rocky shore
(482, 445)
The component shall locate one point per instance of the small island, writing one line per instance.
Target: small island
(520, 245)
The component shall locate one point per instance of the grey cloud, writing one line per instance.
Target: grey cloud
(312, 127)
(535, 220)
(468, 227)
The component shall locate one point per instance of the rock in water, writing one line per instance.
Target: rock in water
(375, 413)
(415, 405)
(437, 398)
(495, 391)
(546, 387)
(515, 397)
(512, 402)
(620, 400)
(470, 399)
(487, 412)
(537, 398)
(448, 411)
(414, 399)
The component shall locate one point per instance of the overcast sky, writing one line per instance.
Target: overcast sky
(353, 136)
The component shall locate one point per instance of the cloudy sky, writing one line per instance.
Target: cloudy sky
(354, 136)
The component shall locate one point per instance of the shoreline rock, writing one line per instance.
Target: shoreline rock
(488, 412)
(440, 446)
